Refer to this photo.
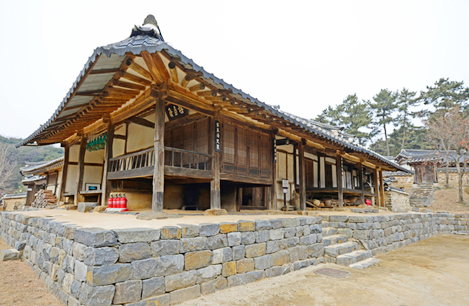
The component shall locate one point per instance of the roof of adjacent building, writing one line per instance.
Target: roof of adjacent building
(149, 38)
(410, 156)
(33, 168)
(15, 195)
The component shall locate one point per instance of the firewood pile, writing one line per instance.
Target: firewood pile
(44, 199)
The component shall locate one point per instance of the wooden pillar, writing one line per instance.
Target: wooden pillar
(361, 181)
(340, 188)
(215, 194)
(81, 169)
(273, 188)
(381, 187)
(376, 190)
(64, 172)
(158, 144)
(295, 167)
(240, 199)
(301, 164)
(108, 154)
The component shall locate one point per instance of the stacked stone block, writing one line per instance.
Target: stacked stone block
(93, 266)
(384, 233)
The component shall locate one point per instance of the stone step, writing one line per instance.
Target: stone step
(353, 257)
(334, 239)
(340, 249)
(364, 263)
(329, 231)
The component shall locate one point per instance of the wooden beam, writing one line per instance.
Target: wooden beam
(90, 93)
(215, 192)
(189, 103)
(174, 72)
(361, 181)
(134, 78)
(376, 190)
(64, 172)
(158, 172)
(81, 168)
(103, 71)
(128, 85)
(301, 164)
(186, 80)
(156, 75)
(140, 70)
(142, 122)
(340, 187)
(197, 87)
(108, 154)
(161, 67)
(381, 187)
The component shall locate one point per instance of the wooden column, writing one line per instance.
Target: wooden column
(301, 164)
(240, 199)
(381, 187)
(81, 169)
(340, 188)
(376, 190)
(215, 193)
(273, 188)
(64, 172)
(361, 181)
(295, 167)
(108, 154)
(158, 144)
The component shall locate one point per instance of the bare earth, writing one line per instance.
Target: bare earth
(19, 285)
(431, 272)
(447, 200)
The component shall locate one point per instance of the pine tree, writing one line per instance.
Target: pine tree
(384, 106)
(405, 101)
(446, 94)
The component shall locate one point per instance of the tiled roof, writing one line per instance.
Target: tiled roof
(137, 44)
(35, 167)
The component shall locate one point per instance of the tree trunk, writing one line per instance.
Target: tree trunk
(386, 138)
(447, 174)
(403, 137)
(460, 174)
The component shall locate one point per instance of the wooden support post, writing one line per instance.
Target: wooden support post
(376, 190)
(381, 187)
(273, 188)
(215, 194)
(340, 188)
(267, 200)
(240, 199)
(361, 181)
(158, 172)
(106, 185)
(81, 169)
(64, 172)
(301, 164)
(295, 167)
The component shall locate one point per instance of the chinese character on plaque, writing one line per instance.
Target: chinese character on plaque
(175, 111)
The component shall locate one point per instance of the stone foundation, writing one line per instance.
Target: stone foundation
(384, 233)
(93, 266)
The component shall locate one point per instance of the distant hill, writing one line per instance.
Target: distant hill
(22, 155)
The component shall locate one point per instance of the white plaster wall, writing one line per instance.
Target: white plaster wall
(139, 138)
(94, 156)
(73, 153)
(92, 175)
(118, 147)
(72, 173)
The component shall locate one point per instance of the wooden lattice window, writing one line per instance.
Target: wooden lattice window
(254, 150)
(202, 136)
(228, 143)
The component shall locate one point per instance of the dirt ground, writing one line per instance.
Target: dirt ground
(19, 285)
(431, 272)
(447, 200)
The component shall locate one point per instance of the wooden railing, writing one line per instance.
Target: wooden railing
(137, 160)
(187, 159)
(141, 163)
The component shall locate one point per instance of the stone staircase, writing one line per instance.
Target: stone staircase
(421, 196)
(339, 250)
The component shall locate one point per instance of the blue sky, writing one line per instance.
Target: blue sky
(303, 55)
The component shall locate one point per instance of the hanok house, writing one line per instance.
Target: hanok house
(145, 120)
(46, 175)
(430, 165)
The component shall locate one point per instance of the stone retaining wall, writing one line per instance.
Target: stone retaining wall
(384, 233)
(92, 266)
(397, 201)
